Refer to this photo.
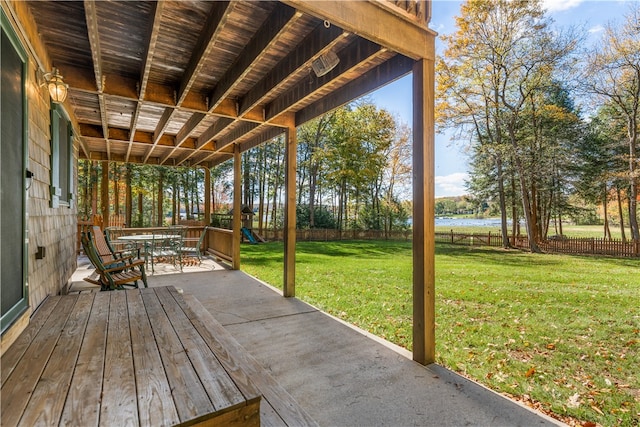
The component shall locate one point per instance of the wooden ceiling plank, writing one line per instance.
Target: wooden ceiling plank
(279, 22)
(216, 21)
(318, 41)
(383, 74)
(359, 51)
(365, 19)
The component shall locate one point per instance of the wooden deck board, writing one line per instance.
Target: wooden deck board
(13, 354)
(148, 357)
(155, 404)
(50, 402)
(243, 366)
(188, 393)
(119, 406)
(17, 389)
(82, 406)
(214, 378)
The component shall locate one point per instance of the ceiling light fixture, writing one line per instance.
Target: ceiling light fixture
(325, 63)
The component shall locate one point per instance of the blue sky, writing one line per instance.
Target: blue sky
(451, 161)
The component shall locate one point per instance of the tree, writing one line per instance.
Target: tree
(500, 58)
(613, 74)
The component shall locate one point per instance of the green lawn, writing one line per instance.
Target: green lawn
(554, 330)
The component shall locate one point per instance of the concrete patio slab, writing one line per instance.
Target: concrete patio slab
(339, 374)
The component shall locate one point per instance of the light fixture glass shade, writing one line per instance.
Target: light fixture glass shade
(57, 87)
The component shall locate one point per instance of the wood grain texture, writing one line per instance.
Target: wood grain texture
(155, 403)
(119, 406)
(244, 368)
(50, 402)
(17, 389)
(13, 354)
(188, 393)
(127, 358)
(84, 398)
(222, 391)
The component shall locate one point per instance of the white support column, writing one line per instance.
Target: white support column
(423, 213)
(289, 289)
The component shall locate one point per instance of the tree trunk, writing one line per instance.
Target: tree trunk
(104, 193)
(160, 198)
(128, 198)
(633, 187)
(607, 231)
(140, 213)
(622, 233)
(503, 204)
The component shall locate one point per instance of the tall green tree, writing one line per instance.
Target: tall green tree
(502, 55)
(613, 75)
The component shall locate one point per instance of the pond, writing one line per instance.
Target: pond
(468, 222)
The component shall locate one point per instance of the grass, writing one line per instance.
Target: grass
(560, 332)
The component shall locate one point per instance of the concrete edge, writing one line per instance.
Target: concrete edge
(437, 369)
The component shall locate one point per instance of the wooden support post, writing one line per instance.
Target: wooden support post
(237, 208)
(423, 213)
(289, 289)
(104, 194)
(207, 196)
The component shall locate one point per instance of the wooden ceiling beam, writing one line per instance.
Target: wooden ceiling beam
(279, 22)
(317, 42)
(184, 133)
(160, 128)
(151, 38)
(383, 74)
(213, 131)
(216, 21)
(357, 52)
(365, 18)
(91, 18)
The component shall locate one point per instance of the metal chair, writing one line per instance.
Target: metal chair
(197, 249)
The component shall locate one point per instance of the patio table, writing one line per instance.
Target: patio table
(147, 240)
(136, 357)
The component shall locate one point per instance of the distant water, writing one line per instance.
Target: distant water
(468, 222)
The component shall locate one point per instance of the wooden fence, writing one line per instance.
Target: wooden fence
(567, 245)
(323, 234)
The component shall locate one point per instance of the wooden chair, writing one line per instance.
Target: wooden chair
(106, 250)
(118, 273)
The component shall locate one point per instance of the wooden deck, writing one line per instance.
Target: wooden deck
(135, 357)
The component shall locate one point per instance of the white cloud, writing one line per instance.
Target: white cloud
(560, 5)
(596, 29)
(451, 185)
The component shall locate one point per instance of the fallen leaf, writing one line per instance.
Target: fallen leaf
(531, 371)
(551, 346)
(574, 401)
(595, 408)
(589, 424)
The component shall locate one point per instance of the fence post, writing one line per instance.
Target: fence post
(451, 235)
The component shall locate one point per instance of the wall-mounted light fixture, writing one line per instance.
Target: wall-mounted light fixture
(29, 178)
(57, 87)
